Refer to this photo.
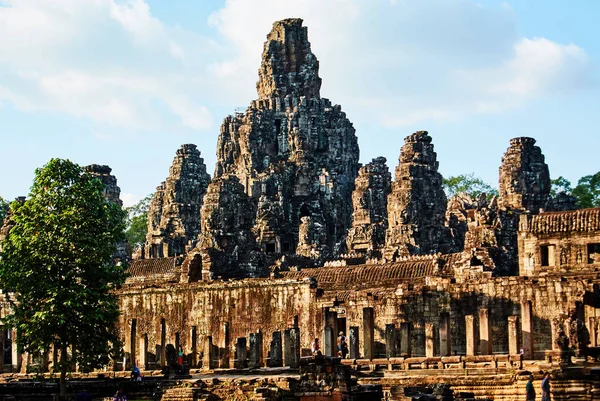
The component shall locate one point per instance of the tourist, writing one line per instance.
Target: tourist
(316, 348)
(180, 357)
(120, 395)
(546, 387)
(529, 390)
(136, 375)
(342, 345)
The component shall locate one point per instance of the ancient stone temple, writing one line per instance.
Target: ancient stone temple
(226, 244)
(524, 178)
(112, 193)
(174, 212)
(524, 186)
(417, 203)
(292, 240)
(369, 200)
(295, 153)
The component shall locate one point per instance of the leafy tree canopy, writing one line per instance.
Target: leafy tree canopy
(586, 192)
(57, 264)
(559, 185)
(3, 209)
(137, 223)
(469, 184)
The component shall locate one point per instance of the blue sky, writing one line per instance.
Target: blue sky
(125, 83)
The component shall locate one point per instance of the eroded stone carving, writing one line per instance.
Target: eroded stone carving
(226, 243)
(417, 203)
(524, 182)
(174, 212)
(112, 193)
(369, 200)
(295, 153)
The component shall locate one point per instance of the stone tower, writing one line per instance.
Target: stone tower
(226, 244)
(174, 212)
(112, 193)
(524, 182)
(295, 153)
(524, 187)
(417, 203)
(369, 200)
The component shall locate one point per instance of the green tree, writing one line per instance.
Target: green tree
(587, 191)
(57, 265)
(469, 184)
(3, 209)
(137, 223)
(559, 185)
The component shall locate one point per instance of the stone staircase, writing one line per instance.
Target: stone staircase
(180, 393)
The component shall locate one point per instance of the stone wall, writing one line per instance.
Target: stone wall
(274, 305)
(424, 301)
(223, 310)
(559, 241)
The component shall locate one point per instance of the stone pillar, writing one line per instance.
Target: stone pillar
(45, 361)
(353, 342)
(132, 343)
(194, 338)
(113, 363)
(593, 329)
(163, 342)
(241, 353)
(329, 343)
(143, 352)
(74, 366)
(485, 332)
(26, 360)
(224, 352)
(513, 335)
(527, 329)
(445, 335)
(1, 349)
(294, 348)
(554, 325)
(207, 358)
(390, 340)
(368, 332)
(276, 359)
(405, 339)
(470, 333)
(16, 355)
(287, 347)
(429, 340)
(330, 321)
(52, 358)
(256, 350)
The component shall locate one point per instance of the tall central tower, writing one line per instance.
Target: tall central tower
(295, 153)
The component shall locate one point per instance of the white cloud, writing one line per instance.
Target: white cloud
(405, 63)
(397, 63)
(108, 61)
(540, 66)
(129, 199)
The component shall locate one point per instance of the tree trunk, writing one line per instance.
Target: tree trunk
(64, 365)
